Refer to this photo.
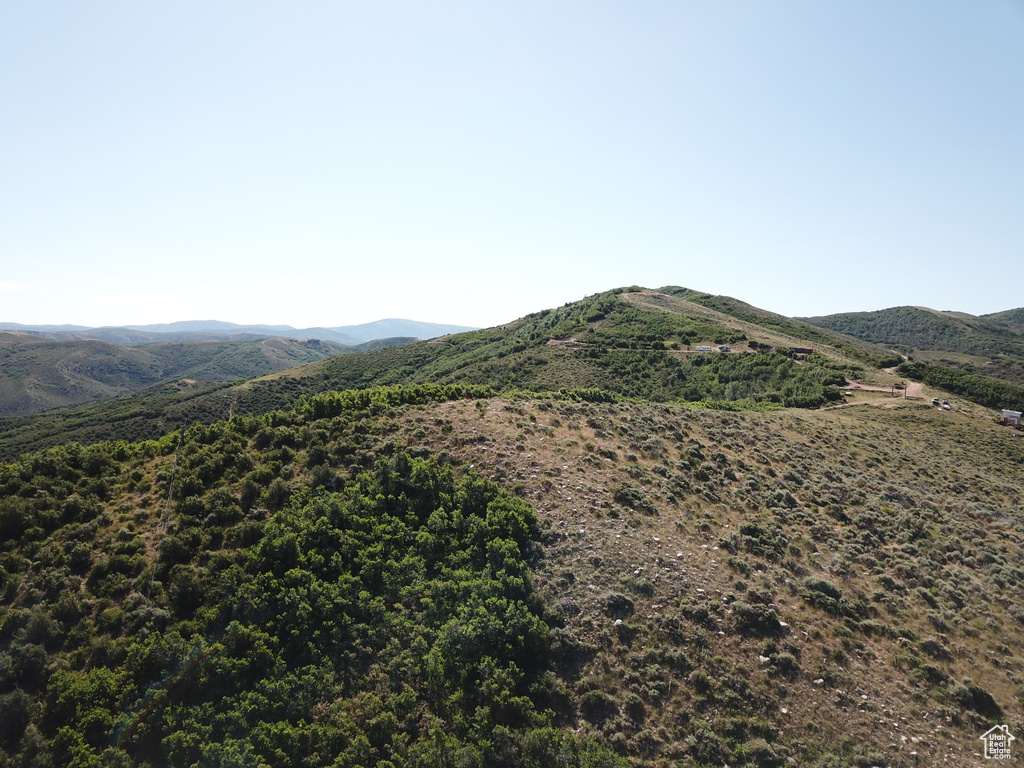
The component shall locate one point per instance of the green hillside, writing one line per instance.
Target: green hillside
(797, 329)
(1011, 319)
(429, 576)
(982, 345)
(574, 540)
(631, 342)
(39, 374)
(915, 328)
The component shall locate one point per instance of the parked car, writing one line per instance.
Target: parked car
(945, 405)
(935, 401)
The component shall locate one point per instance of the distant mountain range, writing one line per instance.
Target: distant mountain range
(206, 330)
(631, 342)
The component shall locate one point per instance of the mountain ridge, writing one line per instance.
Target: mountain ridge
(631, 342)
(203, 330)
(648, 528)
(39, 374)
(989, 343)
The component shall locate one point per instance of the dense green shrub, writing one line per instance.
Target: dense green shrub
(391, 620)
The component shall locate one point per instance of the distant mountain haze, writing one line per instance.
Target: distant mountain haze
(203, 330)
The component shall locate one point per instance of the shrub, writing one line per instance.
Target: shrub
(757, 620)
(598, 706)
(700, 681)
(632, 497)
(970, 695)
(618, 605)
(635, 708)
(822, 593)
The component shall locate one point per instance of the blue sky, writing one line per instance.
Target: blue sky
(336, 163)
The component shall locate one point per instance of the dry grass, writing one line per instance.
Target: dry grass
(912, 514)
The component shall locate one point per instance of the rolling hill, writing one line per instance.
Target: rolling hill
(432, 575)
(39, 374)
(574, 540)
(1011, 319)
(631, 342)
(991, 344)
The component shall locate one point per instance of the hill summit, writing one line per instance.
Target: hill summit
(457, 561)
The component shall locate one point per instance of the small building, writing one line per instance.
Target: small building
(803, 350)
(1011, 418)
(725, 348)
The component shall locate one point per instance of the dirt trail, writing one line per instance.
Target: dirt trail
(914, 389)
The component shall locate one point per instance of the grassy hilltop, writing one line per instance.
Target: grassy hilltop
(608, 569)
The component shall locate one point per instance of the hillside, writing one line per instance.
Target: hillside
(39, 374)
(395, 575)
(991, 345)
(809, 334)
(631, 342)
(1011, 319)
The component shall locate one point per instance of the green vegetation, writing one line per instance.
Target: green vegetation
(1011, 319)
(511, 553)
(381, 614)
(916, 328)
(979, 389)
(993, 342)
(38, 374)
(316, 591)
(599, 344)
(792, 327)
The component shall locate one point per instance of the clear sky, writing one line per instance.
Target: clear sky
(330, 163)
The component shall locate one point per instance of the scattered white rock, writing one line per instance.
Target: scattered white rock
(819, 681)
(618, 622)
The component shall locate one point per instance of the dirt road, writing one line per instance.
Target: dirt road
(914, 388)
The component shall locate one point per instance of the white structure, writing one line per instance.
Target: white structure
(1011, 418)
(998, 741)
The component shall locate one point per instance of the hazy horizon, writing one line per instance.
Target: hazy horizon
(271, 325)
(320, 165)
